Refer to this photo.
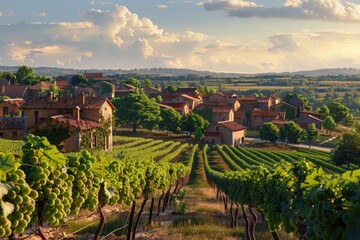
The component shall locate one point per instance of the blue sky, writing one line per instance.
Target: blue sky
(216, 35)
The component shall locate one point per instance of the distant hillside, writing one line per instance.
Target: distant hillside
(51, 71)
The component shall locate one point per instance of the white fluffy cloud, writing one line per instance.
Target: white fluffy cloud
(328, 10)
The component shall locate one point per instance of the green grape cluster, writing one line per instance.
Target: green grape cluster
(23, 198)
(58, 193)
(86, 184)
(5, 226)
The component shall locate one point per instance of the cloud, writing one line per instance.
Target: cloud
(327, 10)
(283, 42)
(40, 14)
(161, 6)
(1, 14)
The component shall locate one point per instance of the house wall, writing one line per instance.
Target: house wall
(215, 98)
(256, 122)
(13, 134)
(44, 114)
(212, 139)
(264, 105)
(231, 138)
(223, 116)
(13, 109)
(236, 105)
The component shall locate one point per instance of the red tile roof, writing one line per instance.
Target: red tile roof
(238, 114)
(14, 101)
(13, 91)
(165, 106)
(247, 98)
(233, 126)
(40, 85)
(71, 122)
(221, 110)
(306, 120)
(62, 83)
(263, 113)
(65, 103)
(189, 97)
(214, 104)
(93, 75)
(11, 123)
(278, 122)
(176, 105)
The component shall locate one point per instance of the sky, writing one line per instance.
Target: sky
(214, 35)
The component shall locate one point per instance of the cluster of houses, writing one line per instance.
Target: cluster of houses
(87, 111)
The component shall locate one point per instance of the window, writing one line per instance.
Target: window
(5, 111)
(14, 133)
(217, 128)
(1, 135)
(36, 117)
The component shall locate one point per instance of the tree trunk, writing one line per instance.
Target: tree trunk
(131, 219)
(246, 222)
(225, 204)
(40, 215)
(231, 215)
(101, 213)
(275, 236)
(151, 210)
(159, 203)
(134, 127)
(253, 224)
(165, 203)
(174, 192)
(146, 197)
(236, 215)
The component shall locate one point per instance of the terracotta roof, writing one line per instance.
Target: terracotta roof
(104, 79)
(215, 104)
(62, 83)
(40, 85)
(189, 97)
(282, 114)
(79, 90)
(14, 101)
(233, 126)
(71, 122)
(13, 91)
(186, 90)
(278, 122)
(306, 120)
(263, 113)
(165, 106)
(12, 123)
(212, 134)
(124, 90)
(238, 114)
(266, 99)
(221, 110)
(93, 75)
(129, 86)
(65, 103)
(229, 100)
(176, 105)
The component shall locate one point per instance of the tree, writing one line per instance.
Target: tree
(136, 109)
(79, 80)
(311, 133)
(54, 89)
(269, 132)
(291, 132)
(338, 111)
(170, 120)
(25, 75)
(147, 83)
(329, 124)
(132, 81)
(198, 133)
(324, 110)
(192, 121)
(172, 88)
(158, 99)
(54, 133)
(347, 150)
(44, 79)
(348, 121)
(9, 76)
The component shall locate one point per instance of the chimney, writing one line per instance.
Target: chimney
(50, 96)
(76, 113)
(81, 98)
(3, 89)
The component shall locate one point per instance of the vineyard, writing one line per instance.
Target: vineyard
(299, 192)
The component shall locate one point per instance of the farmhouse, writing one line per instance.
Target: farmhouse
(225, 132)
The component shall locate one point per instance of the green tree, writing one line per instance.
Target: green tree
(291, 133)
(329, 124)
(348, 121)
(198, 133)
(269, 132)
(25, 75)
(170, 120)
(324, 110)
(190, 122)
(54, 89)
(147, 83)
(44, 79)
(79, 80)
(9, 76)
(172, 88)
(338, 111)
(311, 133)
(347, 150)
(136, 109)
(158, 99)
(132, 81)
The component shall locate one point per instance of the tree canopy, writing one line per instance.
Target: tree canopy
(329, 123)
(193, 121)
(269, 132)
(291, 132)
(25, 75)
(311, 133)
(79, 80)
(338, 111)
(347, 150)
(136, 109)
(170, 120)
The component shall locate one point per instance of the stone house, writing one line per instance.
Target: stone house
(222, 114)
(306, 120)
(13, 91)
(259, 117)
(182, 108)
(12, 128)
(226, 132)
(89, 119)
(10, 107)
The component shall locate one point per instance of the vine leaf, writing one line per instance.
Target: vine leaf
(7, 208)
(8, 163)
